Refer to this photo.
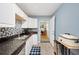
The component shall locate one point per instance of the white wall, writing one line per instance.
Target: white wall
(52, 24)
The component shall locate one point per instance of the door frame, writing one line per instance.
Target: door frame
(54, 30)
(40, 29)
(54, 26)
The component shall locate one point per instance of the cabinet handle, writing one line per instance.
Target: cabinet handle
(60, 39)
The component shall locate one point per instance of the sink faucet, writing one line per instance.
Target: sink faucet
(19, 36)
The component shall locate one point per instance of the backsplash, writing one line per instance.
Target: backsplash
(4, 32)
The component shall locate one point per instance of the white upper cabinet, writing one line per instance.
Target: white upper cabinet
(24, 24)
(20, 13)
(30, 23)
(7, 17)
(9, 13)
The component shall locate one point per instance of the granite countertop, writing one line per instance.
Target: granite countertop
(24, 37)
(10, 46)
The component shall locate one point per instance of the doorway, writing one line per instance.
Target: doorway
(44, 30)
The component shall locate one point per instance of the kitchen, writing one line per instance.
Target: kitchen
(21, 25)
(19, 33)
(12, 35)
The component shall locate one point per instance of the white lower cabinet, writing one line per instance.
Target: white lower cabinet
(28, 46)
(35, 39)
(30, 42)
(22, 52)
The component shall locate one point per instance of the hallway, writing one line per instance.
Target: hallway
(44, 31)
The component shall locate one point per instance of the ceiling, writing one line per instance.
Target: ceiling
(39, 9)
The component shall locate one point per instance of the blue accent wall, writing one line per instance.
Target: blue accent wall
(67, 19)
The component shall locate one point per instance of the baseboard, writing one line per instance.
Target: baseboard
(45, 41)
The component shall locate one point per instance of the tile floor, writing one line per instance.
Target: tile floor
(42, 49)
(35, 50)
(46, 49)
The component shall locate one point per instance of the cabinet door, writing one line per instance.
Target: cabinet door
(7, 15)
(29, 21)
(28, 47)
(35, 39)
(19, 12)
(24, 25)
(32, 23)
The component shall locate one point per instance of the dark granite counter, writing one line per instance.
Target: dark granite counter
(12, 46)
(8, 47)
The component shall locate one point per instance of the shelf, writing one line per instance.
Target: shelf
(19, 18)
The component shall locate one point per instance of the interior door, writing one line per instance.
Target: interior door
(52, 24)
